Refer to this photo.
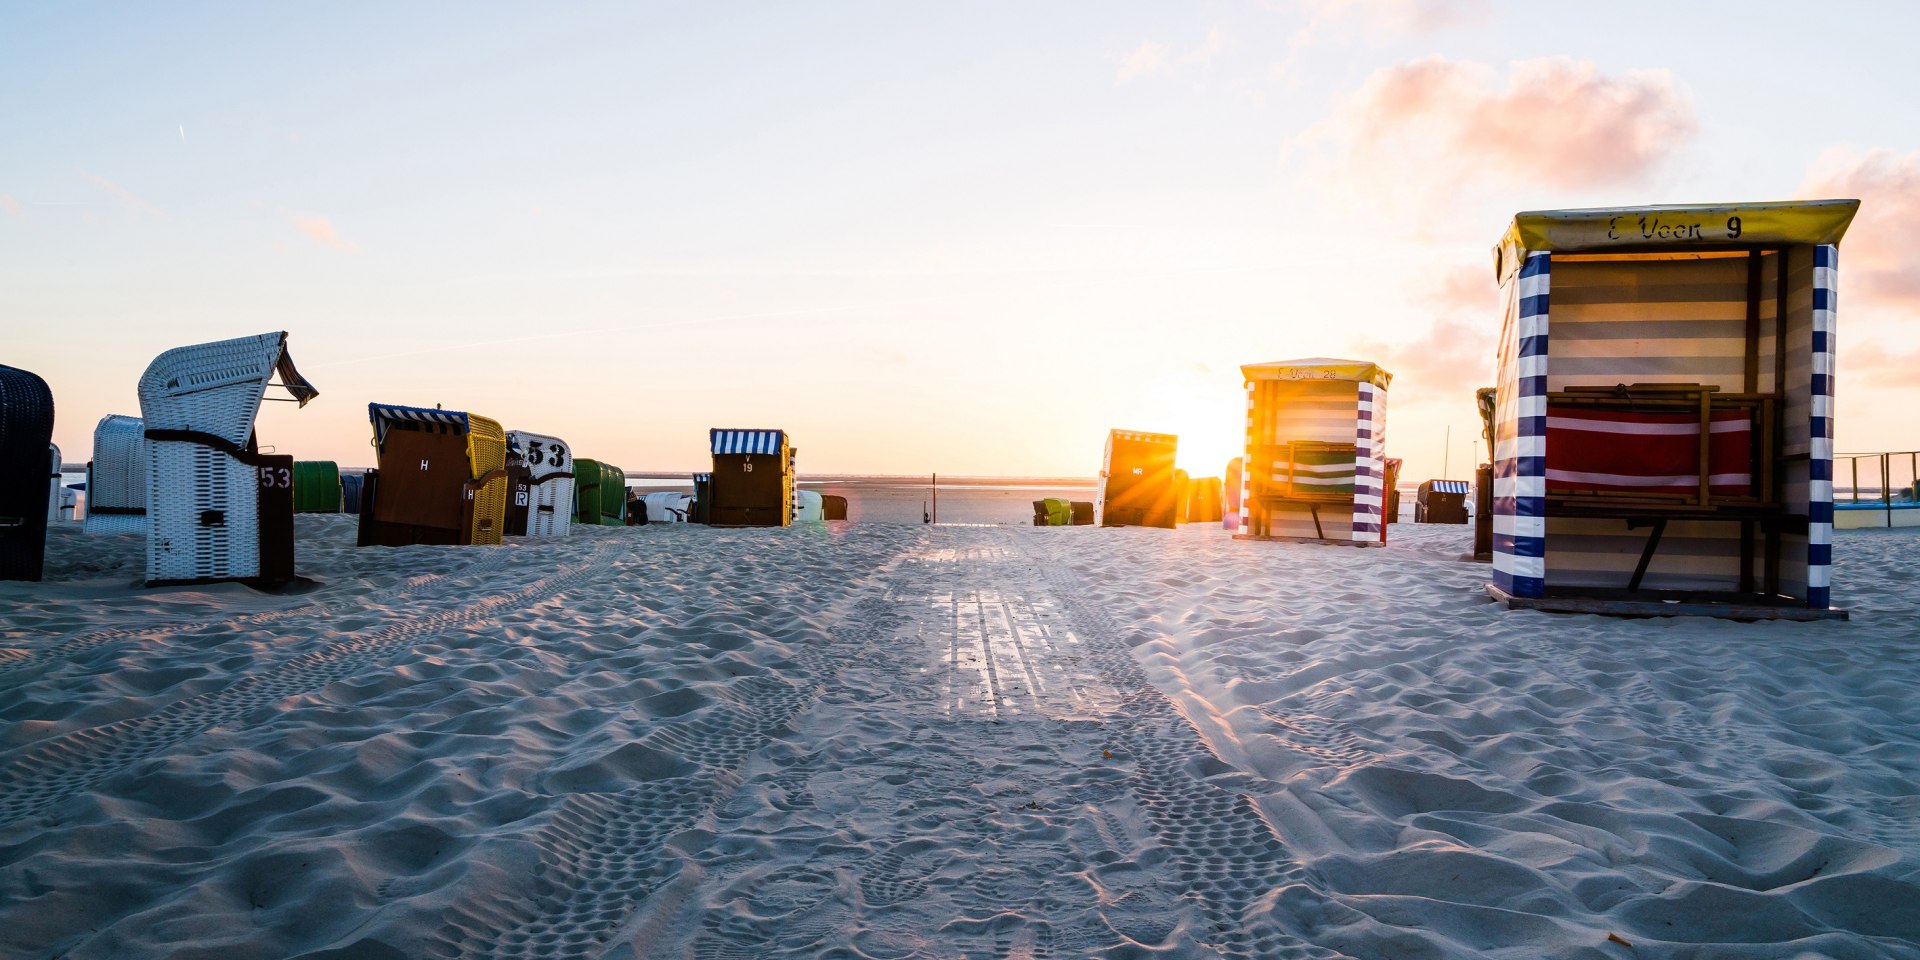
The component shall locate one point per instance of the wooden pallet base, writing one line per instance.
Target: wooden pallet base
(1651, 604)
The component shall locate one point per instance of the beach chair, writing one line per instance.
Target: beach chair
(441, 478)
(316, 486)
(1440, 501)
(218, 508)
(1662, 420)
(1203, 500)
(350, 484)
(1232, 488)
(60, 500)
(833, 507)
(1052, 512)
(667, 507)
(1080, 513)
(117, 476)
(808, 507)
(599, 493)
(1315, 463)
(26, 434)
(540, 479)
(752, 479)
(702, 498)
(1137, 481)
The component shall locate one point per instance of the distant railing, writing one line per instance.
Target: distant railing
(1885, 480)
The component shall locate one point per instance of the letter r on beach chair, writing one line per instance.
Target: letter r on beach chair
(541, 495)
(217, 508)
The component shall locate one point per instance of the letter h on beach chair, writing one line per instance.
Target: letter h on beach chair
(117, 476)
(217, 508)
(441, 478)
(540, 481)
(26, 437)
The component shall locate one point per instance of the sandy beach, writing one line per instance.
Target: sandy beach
(896, 740)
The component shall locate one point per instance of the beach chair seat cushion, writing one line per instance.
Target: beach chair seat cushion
(1621, 451)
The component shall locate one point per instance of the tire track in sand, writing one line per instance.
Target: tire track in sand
(1226, 854)
(50, 771)
(601, 852)
(13, 659)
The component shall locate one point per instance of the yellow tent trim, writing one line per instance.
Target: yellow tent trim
(1318, 368)
(1673, 227)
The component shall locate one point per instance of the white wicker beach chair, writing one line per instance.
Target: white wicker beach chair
(117, 476)
(808, 507)
(548, 485)
(217, 509)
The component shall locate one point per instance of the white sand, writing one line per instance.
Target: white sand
(900, 741)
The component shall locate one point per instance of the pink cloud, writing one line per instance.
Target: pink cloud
(1435, 126)
(1450, 360)
(1877, 254)
(321, 229)
(129, 202)
(9, 204)
(1146, 58)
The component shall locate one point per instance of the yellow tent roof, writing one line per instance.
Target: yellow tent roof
(1318, 368)
(1674, 227)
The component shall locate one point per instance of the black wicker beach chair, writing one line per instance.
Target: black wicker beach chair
(26, 431)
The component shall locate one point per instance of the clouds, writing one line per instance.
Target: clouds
(320, 229)
(129, 203)
(1424, 130)
(1151, 57)
(1876, 257)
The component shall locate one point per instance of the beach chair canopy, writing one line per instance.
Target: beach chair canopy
(390, 416)
(1676, 226)
(1448, 486)
(1318, 368)
(216, 388)
(763, 442)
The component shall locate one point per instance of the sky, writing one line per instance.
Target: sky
(961, 238)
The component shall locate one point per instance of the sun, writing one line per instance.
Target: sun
(1208, 417)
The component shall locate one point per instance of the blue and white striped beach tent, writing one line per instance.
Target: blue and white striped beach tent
(1632, 338)
(1315, 466)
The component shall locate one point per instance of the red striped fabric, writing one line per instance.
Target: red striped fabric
(1609, 451)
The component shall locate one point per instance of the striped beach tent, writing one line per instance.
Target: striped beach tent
(1663, 414)
(1315, 463)
(441, 478)
(752, 480)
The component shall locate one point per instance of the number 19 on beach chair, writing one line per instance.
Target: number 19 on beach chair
(217, 508)
(441, 478)
(26, 433)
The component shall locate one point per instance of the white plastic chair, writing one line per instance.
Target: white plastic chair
(217, 509)
(117, 476)
(549, 494)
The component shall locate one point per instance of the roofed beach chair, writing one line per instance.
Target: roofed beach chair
(316, 486)
(117, 476)
(441, 478)
(540, 479)
(599, 493)
(26, 432)
(1441, 501)
(808, 507)
(350, 484)
(217, 508)
(1137, 481)
(833, 507)
(702, 498)
(752, 478)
